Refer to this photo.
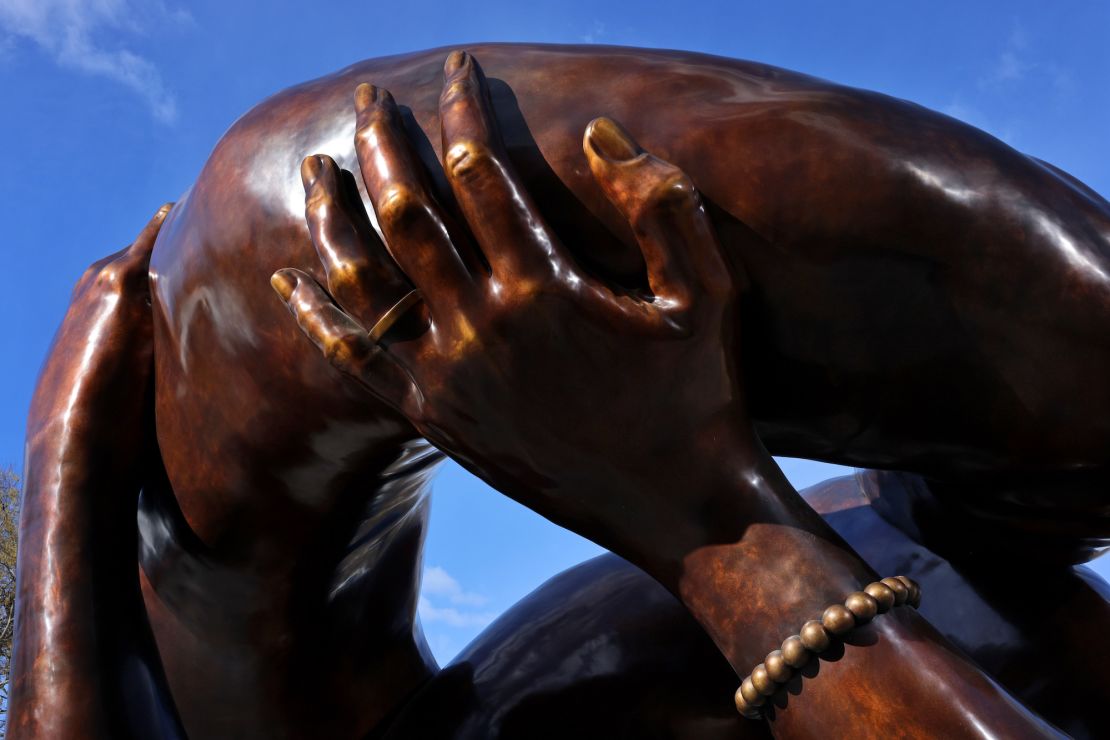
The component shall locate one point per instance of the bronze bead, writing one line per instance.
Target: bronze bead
(863, 607)
(744, 707)
(749, 693)
(777, 668)
(794, 652)
(814, 636)
(882, 594)
(914, 598)
(901, 593)
(837, 619)
(762, 682)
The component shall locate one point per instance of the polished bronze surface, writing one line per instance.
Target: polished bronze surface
(911, 294)
(794, 652)
(1029, 625)
(84, 660)
(858, 609)
(776, 666)
(837, 619)
(750, 694)
(392, 316)
(506, 300)
(862, 606)
(815, 637)
(901, 591)
(762, 681)
(882, 594)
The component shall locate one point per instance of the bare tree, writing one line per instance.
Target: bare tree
(9, 541)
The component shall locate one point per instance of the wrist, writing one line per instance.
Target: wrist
(751, 594)
(752, 562)
(740, 548)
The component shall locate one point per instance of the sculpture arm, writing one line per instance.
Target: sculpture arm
(618, 416)
(759, 562)
(85, 663)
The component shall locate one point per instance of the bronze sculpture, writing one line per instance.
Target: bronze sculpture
(849, 202)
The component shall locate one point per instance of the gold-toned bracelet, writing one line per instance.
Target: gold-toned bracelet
(815, 636)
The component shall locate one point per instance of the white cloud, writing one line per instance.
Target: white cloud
(71, 32)
(438, 582)
(451, 616)
(594, 34)
(1008, 67)
(437, 587)
(1011, 64)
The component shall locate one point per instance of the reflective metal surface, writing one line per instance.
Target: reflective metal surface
(917, 296)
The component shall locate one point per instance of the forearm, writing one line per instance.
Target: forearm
(85, 663)
(755, 563)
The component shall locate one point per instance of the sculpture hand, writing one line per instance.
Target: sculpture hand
(616, 415)
(85, 664)
(557, 388)
(101, 357)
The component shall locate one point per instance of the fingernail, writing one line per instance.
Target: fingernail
(365, 95)
(310, 170)
(455, 61)
(164, 210)
(284, 284)
(611, 141)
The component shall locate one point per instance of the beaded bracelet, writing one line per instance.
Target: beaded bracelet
(859, 608)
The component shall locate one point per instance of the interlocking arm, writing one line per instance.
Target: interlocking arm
(85, 662)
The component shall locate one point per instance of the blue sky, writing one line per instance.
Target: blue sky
(112, 106)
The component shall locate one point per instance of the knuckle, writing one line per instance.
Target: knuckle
(111, 277)
(349, 272)
(373, 128)
(675, 190)
(468, 160)
(459, 90)
(672, 193)
(318, 205)
(346, 349)
(522, 294)
(400, 207)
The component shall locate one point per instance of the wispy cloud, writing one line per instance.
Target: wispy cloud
(1020, 62)
(438, 582)
(1012, 63)
(452, 617)
(596, 32)
(73, 31)
(460, 609)
(1021, 69)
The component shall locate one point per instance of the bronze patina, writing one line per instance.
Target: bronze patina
(738, 260)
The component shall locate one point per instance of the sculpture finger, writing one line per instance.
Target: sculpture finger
(410, 219)
(341, 339)
(509, 228)
(143, 245)
(130, 265)
(361, 275)
(665, 211)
